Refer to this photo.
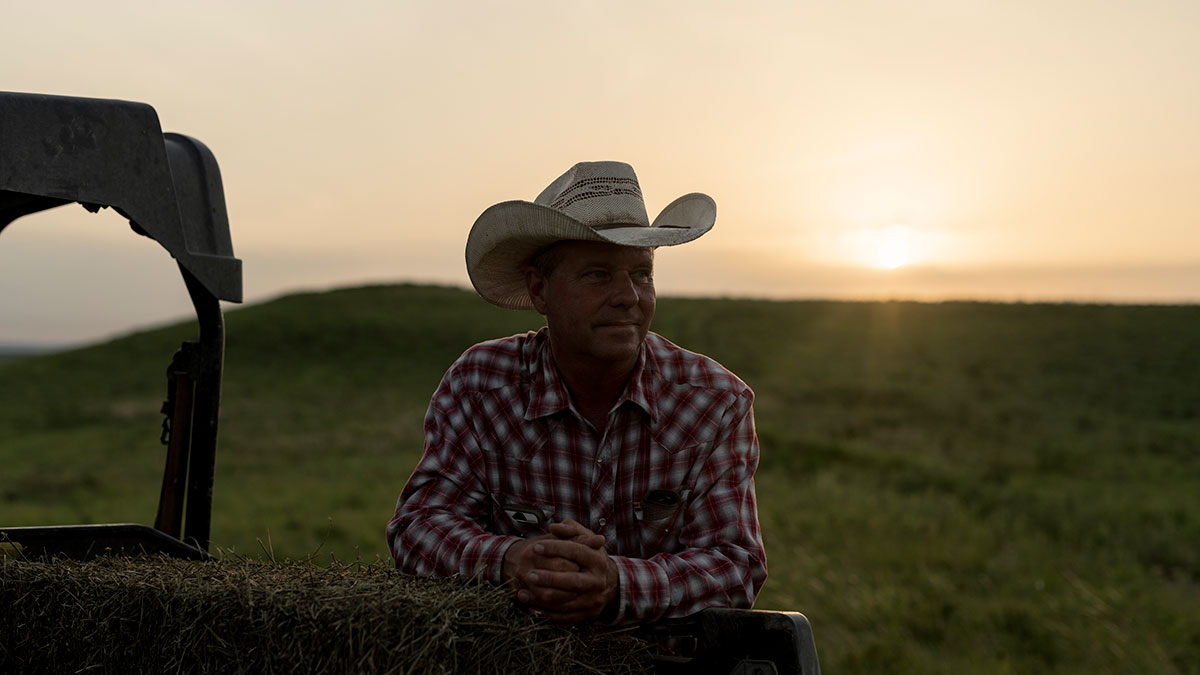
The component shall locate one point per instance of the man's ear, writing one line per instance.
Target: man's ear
(535, 285)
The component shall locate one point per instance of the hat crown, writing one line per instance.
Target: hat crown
(598, 194)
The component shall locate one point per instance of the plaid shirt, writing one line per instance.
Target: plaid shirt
(669, 482)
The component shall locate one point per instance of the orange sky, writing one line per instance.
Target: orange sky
(943, 149)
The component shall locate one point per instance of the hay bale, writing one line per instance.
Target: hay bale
(157, 614)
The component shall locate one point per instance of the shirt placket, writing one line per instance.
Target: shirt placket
(603, 478)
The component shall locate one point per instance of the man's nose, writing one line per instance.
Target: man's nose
(626, 292)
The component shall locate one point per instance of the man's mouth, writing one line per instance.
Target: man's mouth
(620, 323)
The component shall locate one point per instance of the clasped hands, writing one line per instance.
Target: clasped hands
(566, 574)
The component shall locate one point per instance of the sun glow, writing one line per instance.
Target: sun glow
(893, 247)
(888, 247)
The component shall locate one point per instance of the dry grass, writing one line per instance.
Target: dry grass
(155, 614)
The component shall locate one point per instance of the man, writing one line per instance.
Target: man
(599, 469)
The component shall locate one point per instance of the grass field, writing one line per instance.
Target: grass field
(945, 488)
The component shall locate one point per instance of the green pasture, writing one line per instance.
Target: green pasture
(945, 488)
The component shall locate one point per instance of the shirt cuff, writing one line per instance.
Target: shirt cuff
(643, 590)
(492, 567)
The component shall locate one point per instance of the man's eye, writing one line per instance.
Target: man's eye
(643, 276)
(595, 275)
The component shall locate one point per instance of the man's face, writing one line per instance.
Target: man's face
(598, 302)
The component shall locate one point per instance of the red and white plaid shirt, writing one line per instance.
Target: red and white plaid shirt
(669, 482)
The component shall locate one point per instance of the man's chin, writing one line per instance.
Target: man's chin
(621, 343)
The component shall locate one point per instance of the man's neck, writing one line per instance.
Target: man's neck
(594, 387)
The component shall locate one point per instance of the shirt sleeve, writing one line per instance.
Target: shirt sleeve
(722, 563)
(439, 527)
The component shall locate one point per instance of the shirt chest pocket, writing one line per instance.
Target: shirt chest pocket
(659, 516)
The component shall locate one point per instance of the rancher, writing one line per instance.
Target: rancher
(598, 468)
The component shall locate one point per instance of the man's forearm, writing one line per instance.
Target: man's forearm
(446, 544)
(674, 585)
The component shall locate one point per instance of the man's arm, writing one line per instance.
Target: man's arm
(438, 527)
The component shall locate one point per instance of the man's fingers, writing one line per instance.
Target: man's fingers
(546, 598)
(572, 530)
(576, 608)
(568, 529)
(569, 579)
(582, 555)
(554, 564)
(560, 605)
(549, 598)
(596, 541)
(570, 582)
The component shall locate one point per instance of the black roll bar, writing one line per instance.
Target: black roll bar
(55, 150)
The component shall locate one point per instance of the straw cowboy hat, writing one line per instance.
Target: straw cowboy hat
(592, 201)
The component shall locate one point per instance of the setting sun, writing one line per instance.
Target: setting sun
(893, 247)
(886, 247)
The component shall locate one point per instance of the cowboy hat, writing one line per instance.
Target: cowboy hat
(592, 201)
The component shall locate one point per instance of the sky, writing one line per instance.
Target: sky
(1013, 150)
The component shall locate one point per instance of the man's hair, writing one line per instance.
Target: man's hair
(546, 259)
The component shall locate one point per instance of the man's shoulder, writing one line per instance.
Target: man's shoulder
(494, 364)
(679, 366)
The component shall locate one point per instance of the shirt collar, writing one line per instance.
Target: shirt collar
(641, 382)
(548, 392)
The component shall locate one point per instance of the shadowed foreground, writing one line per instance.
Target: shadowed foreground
(159, 615)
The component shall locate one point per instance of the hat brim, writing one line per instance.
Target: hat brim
(506, 236)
